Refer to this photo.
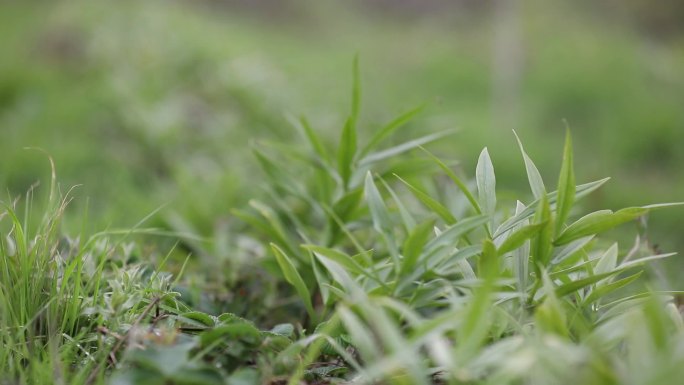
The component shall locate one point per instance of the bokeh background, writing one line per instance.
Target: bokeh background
(151, 103)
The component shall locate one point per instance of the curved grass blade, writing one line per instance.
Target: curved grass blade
(401, 148)
(581, 191)
(597, 222)
(292, 276)
(519, 237)
(414, 244)
(533, 176)
(430, 203)
(457, 181)
(389, 128)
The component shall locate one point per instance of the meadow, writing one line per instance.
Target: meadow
(319, 193)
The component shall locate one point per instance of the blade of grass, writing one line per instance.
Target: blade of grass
(389, 128)
(566, 186)
(533, 176)
(292, 276)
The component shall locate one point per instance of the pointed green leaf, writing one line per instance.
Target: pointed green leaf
(582, 190)
(457, 181)
(401, 148)
(566, 186)
(414, 245)
(388, 129)
(292, 276)
(452, 234)
(541, 245)
(486, 183)
(431, 203)
(381, 219)
(197, 318)
(346, 152)
(343, 259)
(348, 203)
(597, 222)
(602, 290)
(314, 140)
(549, 316)
(576, 285)
(406, 216)
(533, 176)
(608, 261)
(518, 238)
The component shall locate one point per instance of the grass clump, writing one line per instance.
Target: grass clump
(425, 281)
(396, 268)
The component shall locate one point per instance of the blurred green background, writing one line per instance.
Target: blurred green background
(150, 103)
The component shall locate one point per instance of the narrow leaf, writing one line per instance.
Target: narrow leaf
(314, 140)
(451, 235)
(533, 176)
(602, 290)
(541, 245)
(401, 148)
(608, 260)
(389, 128)
(431, 203)
(292, 276)
(346, 152)
(582, 190)
(457, 181)
(486, 183)
(566, 186)
(578, 284)
(518, 238)
(597, 222)
(414, 244)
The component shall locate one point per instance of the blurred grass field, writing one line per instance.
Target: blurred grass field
(145, 104)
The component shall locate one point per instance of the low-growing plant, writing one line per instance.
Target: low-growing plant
(67, 304)
(470, 288)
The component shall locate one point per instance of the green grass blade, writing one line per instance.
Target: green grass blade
(452, 234)
(346, 152)
(414, 244)
(602, 290)
(576, 285)
(582, 190)
(430, 203)
(597, 222)
(566, 186)
(379, 213)
(401, 148)
(406, 217)
(541, 245)
(389, 128)
(533, 176)
(314, 140)
(486, 183)
(457, 181)
(519, 237)
(608, 261)
(292, 276)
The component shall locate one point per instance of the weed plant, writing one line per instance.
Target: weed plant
(404, 271)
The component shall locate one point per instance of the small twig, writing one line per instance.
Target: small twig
(120, 340)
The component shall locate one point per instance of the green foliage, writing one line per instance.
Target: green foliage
(392, 265)
(489, 294)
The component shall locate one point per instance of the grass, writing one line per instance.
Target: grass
(346, 245)
(403, 271)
